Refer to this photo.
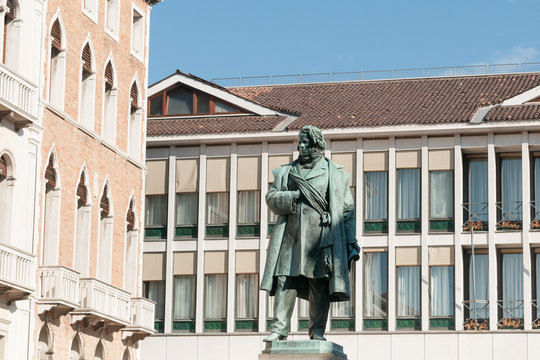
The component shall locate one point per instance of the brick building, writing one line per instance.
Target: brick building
(74, 75)
(445, 178)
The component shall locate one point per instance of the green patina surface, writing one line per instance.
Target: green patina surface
(303, 324)
(342, 324)
(375, 324)
(155, 233)
(215, 325)
(268, 323)
(217, 231)
(246, 325)
(408, 226)
(248, 230)
(186, 231)
(441, 323)
(271, 228)
(409, 324)
(441, 225)
(376, 227)
(183, 325)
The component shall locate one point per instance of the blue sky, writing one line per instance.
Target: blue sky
(219, 38)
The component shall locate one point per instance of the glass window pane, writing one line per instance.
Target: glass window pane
(478, 189)
(375, 285)
(376, 193)
(223, 108)
(479, 286)
(180, 102)
(156, 210)
(408, 193)
(155, 291)
(187, 205)
(248, 207)
(408, 291)
(537, 188)
(345, 309)
(247, 299)
(155, 105)
(511, 189)
(442, 291)
(217, 208)
(215, 296)
(441, 194)
(184, 297)
(203, 104)
(512, 282)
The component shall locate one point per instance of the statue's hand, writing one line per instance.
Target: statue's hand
(296, 194)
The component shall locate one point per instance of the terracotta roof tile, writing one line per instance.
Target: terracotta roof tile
(513, 113)
(212, 125)
(390, 102)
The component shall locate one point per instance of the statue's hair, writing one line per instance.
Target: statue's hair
(315, 134)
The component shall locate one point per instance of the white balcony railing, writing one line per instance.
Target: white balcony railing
(18, 95)
(104, 301)
(142, 313)
(17, 271)
(59, 286)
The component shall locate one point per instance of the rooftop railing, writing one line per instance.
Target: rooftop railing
(378, 74)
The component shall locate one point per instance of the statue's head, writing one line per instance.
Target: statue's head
(311, 143)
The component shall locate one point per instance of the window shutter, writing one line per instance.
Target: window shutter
(108, 75)
(134, 95)
(50, 173)
(130, 218)
(3, 168)
(104, 203)
(56, 35)
(81, 190)
(87, 58)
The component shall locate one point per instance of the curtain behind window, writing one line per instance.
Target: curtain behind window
(537, 187)
(511, 189)
(247, 300)
(375, 285)
(441, 194)
(156, 210)
(408, 291)
(156, 292)
(218, 208)
(248, 207)
(303, 308)
(537, 285)
(215, 296)
(478, 189)
(442, 291)
(408, 194)
(345, 309)
(479, 288)
(187, 205)
(513, 285)
(376, 192)
(184, 297)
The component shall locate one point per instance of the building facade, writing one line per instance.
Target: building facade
(74, 75)
(445, 178)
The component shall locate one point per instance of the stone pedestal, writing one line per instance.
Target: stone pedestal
(303, 350)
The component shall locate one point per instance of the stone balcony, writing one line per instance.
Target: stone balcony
(59, 289)
(142, 319)
(18, 98)
(17, 273)
(102, 304)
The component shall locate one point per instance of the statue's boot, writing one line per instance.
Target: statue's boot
(317, 336)
(274, 337)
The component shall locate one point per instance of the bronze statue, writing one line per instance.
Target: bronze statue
(314, 240)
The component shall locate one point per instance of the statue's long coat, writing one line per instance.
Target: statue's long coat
(342, 228)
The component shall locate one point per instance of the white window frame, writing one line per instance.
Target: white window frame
(109, 116)
(114, 31)
(92, 13)
(137, 52)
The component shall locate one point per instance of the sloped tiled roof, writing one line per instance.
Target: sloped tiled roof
(212, 125)
(392, 102)
(513, 113)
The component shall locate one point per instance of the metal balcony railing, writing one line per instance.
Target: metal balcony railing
(535, 314)
(509, 215)
(510, 314)
(476, 315)
(18, 95)
(142, 314)
(104, 301)
(475, 216)
(59, 286)
(535, 216)
(17, 272)
(379, 74)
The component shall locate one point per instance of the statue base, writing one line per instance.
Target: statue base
(302, 350)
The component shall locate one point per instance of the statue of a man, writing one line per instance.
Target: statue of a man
(314, 240)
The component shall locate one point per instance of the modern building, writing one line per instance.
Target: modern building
(445, 175)
(72, 87)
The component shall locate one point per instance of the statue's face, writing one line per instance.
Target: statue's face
(307, 152)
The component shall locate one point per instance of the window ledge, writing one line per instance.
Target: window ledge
(113, 34)
(136, 54)
(90, 15)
